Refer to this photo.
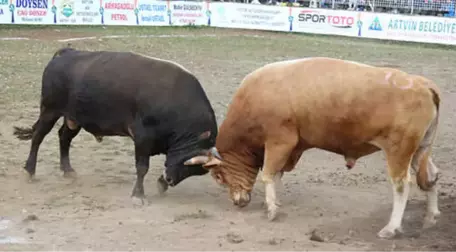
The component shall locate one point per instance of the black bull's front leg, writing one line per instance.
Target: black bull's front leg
(142, 158)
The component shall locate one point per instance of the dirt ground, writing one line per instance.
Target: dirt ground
(95, 212)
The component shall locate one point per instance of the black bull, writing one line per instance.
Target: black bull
(158, 104)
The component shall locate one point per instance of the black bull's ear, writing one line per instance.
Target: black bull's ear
(211, 158)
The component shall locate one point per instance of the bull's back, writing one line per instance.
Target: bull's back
(334, 104)
(107, 90)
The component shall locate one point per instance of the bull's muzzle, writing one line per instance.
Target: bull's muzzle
(241, 198)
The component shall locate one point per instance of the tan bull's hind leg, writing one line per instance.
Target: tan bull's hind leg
(399, 162)
(433, 211)
(276, 155)
(401, 189)
(426, 178)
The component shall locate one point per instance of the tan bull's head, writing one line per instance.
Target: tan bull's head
(237, 177)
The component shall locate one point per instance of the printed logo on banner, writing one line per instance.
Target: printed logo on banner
(337, 21)
(290, 18)
(359, 23)
(221, 13)
(67, 8)
(375, 25)
(30, 10)
(208, 13)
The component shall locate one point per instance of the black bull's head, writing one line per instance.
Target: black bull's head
(174, 174)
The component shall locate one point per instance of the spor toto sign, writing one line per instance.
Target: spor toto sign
(334, 20)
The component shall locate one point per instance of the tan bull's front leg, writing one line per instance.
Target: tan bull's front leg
(276, 156)
(278, 185)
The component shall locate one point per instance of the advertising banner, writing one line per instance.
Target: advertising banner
(30, 12)
(324, 21)
(188, 13)
(154, 13)
(119, 12)
(248, 16)
(410, 28)
(78, 12)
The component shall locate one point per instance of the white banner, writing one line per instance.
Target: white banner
(249, 16)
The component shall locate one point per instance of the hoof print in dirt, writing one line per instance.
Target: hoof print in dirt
(234, 238)
(29, 230)
(275, 241)
(315, 236)
(31, 217)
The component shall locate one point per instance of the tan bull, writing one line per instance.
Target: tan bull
(352, 109)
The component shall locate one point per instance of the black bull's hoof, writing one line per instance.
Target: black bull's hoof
(162, 186)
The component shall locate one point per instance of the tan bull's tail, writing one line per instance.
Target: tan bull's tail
(427, 174)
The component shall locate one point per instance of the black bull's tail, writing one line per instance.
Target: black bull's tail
(26, 133)
(23, 133)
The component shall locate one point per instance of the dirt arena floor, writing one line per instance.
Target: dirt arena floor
(344, 208)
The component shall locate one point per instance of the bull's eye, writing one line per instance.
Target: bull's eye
(219, 178)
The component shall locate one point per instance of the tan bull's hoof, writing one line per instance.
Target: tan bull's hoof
(272, 213)
(389, 232)
(431, 219)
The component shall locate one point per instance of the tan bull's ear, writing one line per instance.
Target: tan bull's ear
(219, 178)
(212, 163)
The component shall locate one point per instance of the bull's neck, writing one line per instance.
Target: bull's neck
(242, 170)
(242, 166)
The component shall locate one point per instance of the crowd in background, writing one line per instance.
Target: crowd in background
(416, 7)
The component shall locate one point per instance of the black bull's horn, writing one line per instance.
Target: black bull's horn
(203, 159)
(215, 153)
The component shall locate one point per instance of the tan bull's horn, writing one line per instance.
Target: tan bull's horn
(197, 160)
(215, 153)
